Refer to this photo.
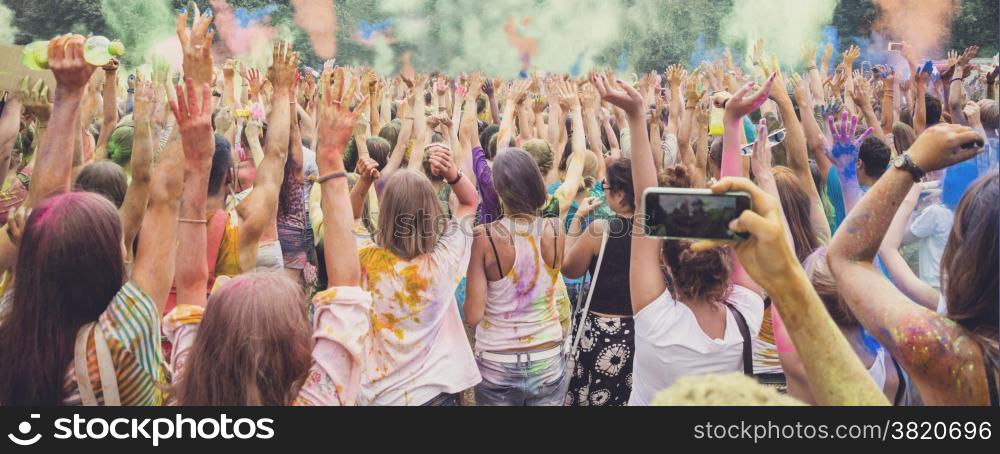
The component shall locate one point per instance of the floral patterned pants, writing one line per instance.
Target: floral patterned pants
(603, 374)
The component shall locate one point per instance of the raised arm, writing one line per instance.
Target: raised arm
(795, 136)
(259, 209)
(53, 163)
(341, 320)
(137, 195)
(931, 348)
(836, 375)
(193, 111)
(845, 155)
(899, 271)
(646, 279)
(336, 124)
(919, 103)
(514, 98)
(862, 95)
(109, 116)
(420, 131)
(574, 169)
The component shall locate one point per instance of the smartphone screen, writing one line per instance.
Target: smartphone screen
(896, 46)
(692, 213)
(773, 139)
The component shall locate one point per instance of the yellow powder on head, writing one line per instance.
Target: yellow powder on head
(722, 389)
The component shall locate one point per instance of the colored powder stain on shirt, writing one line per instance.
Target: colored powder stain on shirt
(376, 262)
(413, 285)
(525, 277)
(388, 322)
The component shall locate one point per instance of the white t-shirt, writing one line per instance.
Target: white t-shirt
(669, 343)
(417, 347)
(932, 226)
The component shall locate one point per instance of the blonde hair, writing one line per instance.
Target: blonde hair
(722, 390)
(410, 218)
(540, 150)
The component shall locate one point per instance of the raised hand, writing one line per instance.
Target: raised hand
(142, 109)
(589, 205)
(850, 55)
(487, 86)
(766, 255)
(519, 91)
(801, 89)
(968, 55)
(367, 169)
(971, 111)
(760, 162)
(944, 145)
(193, 112)
(675, 75)
(568, 95)
(844, 152)
(743, 102)
(620, 95)
(196, 44)
(336, 124)
(284, 66)
(442, 165)
(71, 71)
(827, 54)
(37, 100)
(808, 52)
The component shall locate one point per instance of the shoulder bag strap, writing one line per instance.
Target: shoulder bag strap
(741, 323)
(86, 388)
(575, 339)
(109, 382)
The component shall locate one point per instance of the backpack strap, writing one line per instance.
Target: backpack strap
(87, 396)
(105, 366)
(741, 323)
(109, 382)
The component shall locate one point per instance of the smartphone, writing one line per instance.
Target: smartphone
(692, 214)
(895, 46)
(773, 139)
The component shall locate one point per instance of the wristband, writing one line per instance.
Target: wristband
(457, 179)
(193, 221)
(331, 176)
(957, 79)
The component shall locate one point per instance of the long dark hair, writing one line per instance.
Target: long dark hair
(969, 263)
(69, 268)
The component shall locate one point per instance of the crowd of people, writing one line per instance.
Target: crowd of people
(241, 236)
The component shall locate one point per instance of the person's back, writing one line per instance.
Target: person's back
(521, 311)
(418, 348)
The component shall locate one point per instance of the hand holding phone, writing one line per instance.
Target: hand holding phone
(692, 214)
(766, 254)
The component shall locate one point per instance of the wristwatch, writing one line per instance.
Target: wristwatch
(904, 162)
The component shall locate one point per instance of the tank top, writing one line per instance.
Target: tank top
(877, 371)
(521, 308)
(611, 287)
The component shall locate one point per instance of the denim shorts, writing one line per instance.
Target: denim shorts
(532, 383)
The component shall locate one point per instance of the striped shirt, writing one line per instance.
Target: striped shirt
(131, 326)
